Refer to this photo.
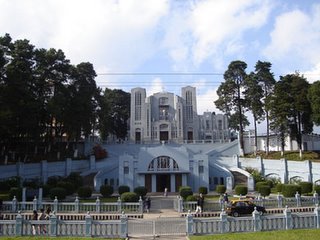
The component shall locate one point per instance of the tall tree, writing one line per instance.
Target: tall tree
(314, 98)
(266, 80)
(253, 95)
(230, 93)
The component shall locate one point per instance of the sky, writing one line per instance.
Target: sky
(164, 45)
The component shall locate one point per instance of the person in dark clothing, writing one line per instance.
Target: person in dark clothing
(148, 204)
(34, 218)
(200, 202)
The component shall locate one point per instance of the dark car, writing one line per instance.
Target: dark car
(240, 207)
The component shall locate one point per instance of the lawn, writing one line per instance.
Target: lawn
(304, 234)
(290, 155)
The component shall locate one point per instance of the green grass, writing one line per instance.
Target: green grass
(290, 155)
(304, 234)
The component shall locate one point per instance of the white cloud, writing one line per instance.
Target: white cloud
(215, 23)
(156, 85)
(313, 74)
(295, 39)
(206, 101)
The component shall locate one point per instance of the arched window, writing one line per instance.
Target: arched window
(163, 163)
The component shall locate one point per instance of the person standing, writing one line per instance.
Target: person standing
(148, 204)
(34, 218)
(42, 216)
(200, 203)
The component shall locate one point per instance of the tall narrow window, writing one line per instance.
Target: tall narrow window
(137, 103)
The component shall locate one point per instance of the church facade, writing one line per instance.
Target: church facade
(167, 117)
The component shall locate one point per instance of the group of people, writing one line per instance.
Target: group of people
(200, 202)
(44, 215)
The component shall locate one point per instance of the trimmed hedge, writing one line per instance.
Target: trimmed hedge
(241, 190)
(68, 186)
(289, 190)
(84, 192)
(259, 184)
(221, 189)
(279, 187)
(106, 190)
(14, 191)
(129, 197)
(316, 188)
(185, 191)
(123, 189)
(203, 190)
(141, 191)
(191, 198)
(306, 187)
(264, 190)
(58, 192)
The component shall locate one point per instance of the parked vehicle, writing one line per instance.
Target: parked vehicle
(244, 206)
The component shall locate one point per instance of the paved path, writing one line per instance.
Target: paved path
(161, 207)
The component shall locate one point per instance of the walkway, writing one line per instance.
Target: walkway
(161, 208)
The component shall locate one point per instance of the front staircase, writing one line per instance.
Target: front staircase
(239, 178)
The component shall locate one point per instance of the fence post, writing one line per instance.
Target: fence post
(315, 198)
(189, 223)
(180, 204)
(256, 220)
(288, 217)
(298, 199)
(53, 224)
(14, 204)
(124, 226)
(88, 225)
(317, 212)
(35, 203)
(76, 205)
(279, 198)
(19, 224)
(98, 205)
(224, 221)
(119, 204)
(55, 204)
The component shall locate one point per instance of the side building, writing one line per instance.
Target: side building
(167, 117)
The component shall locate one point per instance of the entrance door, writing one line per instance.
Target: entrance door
(164, 136)
(163, 181)
(138, 137)
(148, 182)
(190, 135)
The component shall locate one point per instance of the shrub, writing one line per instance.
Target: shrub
(279, 187)
(99, 152)
(53, 180)
(221, 189)
(58, 192)
(14, 191)
(289, 190)
(256, 175)
(106, 190)
(185, 191)
(123, 189)
(68, 186)
(4, 186)
(129, 197)
(191, 198)
(259, 184)
(75, 179)
(316, 188)
(241, 190)
(264, 190)
(203, 190)
(84, 192)
(32, 183)
(141, 191)
(306, 187)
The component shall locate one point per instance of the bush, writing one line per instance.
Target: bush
(141, 191)
(123, 189)
(185, 191)
(191, 198)
(241, 190)
(84, 192)
(256, 175)
(289, 190)
(316, 188)
(264, 190)
(259, 184)
(306, 187)
(75, 179)
(203, 190)
(129, 197)
(279, 187)
(106, 190)
(53, 180)
(14, 191)
(221, 189)
(99, 152)
(68, 186)
(4, 186)
(32, 183)
(58, 192)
